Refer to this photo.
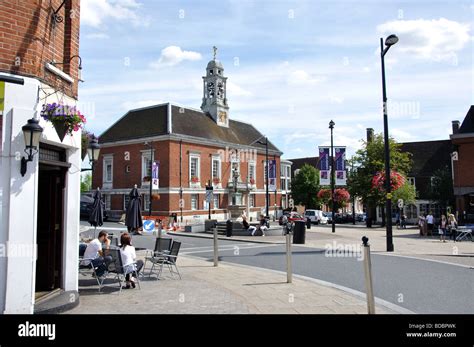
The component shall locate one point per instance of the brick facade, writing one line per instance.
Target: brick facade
(127, 171)
(29, 38)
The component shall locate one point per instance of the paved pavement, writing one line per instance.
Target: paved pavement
(227, 289)
(418, 285)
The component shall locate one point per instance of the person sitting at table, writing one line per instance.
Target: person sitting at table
(129, 262)
(100, 258)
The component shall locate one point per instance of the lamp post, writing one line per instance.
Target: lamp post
(32, 133)
(333, 181)
(389, 41)
(150, 145)
(267, 197)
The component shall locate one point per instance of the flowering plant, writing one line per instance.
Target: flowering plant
(341, 197)
(66, 119)
(252, 181)
(216, 180)
(194, 179)
(396, 181)
(146, 179)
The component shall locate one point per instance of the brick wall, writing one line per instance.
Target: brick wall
(168, 153)
(464, 166)
(28, 39)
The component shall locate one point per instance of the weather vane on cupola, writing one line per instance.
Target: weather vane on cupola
(215, 51)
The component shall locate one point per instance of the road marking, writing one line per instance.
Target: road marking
(417, 258)
(211, 247)
(227, 248)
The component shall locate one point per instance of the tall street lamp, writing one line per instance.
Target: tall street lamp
(333, 180)
(267, 197)
(389, 41)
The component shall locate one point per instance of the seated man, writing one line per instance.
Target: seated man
(94, 251)
(263, 225)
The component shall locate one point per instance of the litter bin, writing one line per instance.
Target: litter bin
(299, 232)
(228, 228)
(308, 223)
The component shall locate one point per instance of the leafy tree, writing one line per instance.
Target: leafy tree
(441, 190)
(369, 161)
(406, 192)
(86, 183)
(305, 186)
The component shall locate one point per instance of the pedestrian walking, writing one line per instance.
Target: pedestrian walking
(430, 223)
(404, 221)
(422, 224)
(452, 225)
(443, 224)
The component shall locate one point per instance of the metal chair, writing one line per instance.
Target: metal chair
(89, 269)
(170, 260)
(162, 248)
(116, 267)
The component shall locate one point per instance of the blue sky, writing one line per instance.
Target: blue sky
(292, 66)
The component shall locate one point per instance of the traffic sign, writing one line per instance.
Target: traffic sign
(149, 226)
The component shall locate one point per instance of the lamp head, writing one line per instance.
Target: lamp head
(331, 124)
(391, 40)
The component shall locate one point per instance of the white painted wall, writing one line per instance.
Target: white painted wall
(18, 197)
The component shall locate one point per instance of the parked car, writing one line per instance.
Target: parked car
(316, 216)
(361, 217)
(328, 215)
(292, 217)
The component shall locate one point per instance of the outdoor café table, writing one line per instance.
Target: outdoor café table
(464, 233)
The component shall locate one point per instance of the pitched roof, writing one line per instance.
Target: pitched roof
(299, 162)
(467, 125)
(153, 121)
(428, 156)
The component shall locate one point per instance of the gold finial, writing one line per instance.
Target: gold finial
(215, 51)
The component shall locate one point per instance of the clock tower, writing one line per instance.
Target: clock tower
(214, 100)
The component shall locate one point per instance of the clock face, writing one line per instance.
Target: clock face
(211, 89)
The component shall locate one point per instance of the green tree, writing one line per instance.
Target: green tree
(370, 160)
(305, 187)
(441, 190)
(86, 183)
(406, 192)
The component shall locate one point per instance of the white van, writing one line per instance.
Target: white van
(316, 216)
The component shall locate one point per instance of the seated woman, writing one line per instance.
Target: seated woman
(130, 264)
(247, 226)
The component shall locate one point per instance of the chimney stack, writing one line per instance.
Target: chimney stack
(455, 127)
(370, 135)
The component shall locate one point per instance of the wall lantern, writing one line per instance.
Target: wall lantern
(32, 133)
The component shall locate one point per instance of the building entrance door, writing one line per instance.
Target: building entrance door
(50, 228)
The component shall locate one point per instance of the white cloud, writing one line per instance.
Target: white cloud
(301, 77)
(97, 36)
(95, 12)
(236, 90)
(436, 39)
(173, 55)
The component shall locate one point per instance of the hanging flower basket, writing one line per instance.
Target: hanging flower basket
(252, 181)
(155, 196)
(146, 179)
(195, 179)
(66, 119)
(396, 181)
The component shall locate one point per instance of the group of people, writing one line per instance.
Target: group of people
(402, 221)
(260, 229)
(449, 224)
(98, 250)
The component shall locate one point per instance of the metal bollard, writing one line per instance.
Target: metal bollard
(216, 249)
(289, 274)
(368, 276)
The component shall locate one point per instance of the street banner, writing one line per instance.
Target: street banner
(209, 194)
(324, 167)
(340, 158)
(155, 172)
(272, 175)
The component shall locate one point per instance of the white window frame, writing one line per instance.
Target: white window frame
(108, 160)
(146, 202)
(198, 166)
(107, 202)
(145, 166)
(194, 199)
(216, 159)
(232, 162)
(125, 202)
(215, 199)
(251, 200)
(252, 171)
